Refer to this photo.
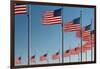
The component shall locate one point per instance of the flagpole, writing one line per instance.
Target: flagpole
(78, 54)
(78, 57)
(59, 55)
(81, 31)
(86, 56)
(47, 59)
(69, 55)
(62, 36)
(29, 34)
(35, 57)
(91, 39)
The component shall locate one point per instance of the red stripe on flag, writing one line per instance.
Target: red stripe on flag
(21, 12)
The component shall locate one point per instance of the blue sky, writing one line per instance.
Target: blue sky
(48, 39)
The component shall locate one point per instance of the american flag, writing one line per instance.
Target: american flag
(93, 37)
(85, 31)
(18, 60)
(90, 38)
(76, 51)
(86, 47)
(33, 59)
(52, 17)
(73, 25)
(56, 56)
(93, 32)
(67, 53)
(43, 57)
(20, 9)
(88, 27)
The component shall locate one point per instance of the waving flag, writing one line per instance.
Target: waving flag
(56, 56)
(76, 51)
(43, 57)
(18, 60)
(33, 59)
(93, 36)
(93, 32)
(73, 25)
(52, 17)
(85, 31)
(67, 53)
(90, 38)
(20, 9)
(86, 47)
